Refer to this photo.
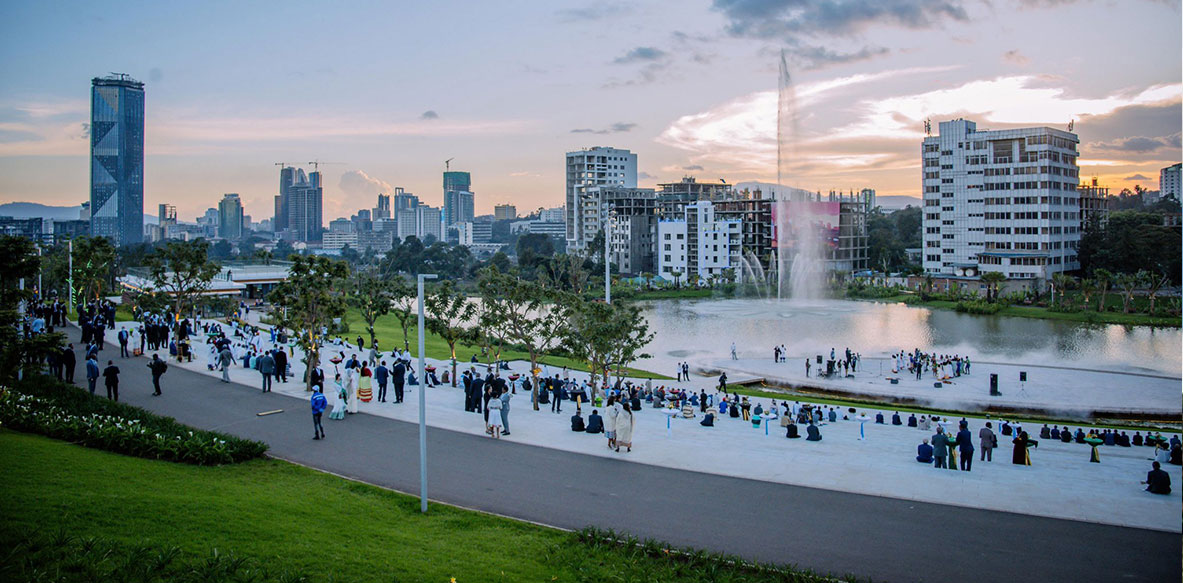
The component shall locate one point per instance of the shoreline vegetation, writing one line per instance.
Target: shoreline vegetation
(250, 522)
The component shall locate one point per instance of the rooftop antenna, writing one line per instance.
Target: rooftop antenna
(928, 127)
(448, 164)
(1071, 124)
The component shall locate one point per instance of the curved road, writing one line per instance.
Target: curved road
(833, 532)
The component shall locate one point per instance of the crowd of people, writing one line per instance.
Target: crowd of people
(942, 366)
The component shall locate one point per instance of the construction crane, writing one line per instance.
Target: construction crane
(283, 165)
(448, 164)
(316, 164)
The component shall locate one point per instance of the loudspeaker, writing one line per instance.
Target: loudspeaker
(994, 384)
(1022, 376)
(819, 359)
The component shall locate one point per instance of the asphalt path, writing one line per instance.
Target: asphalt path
(884, 539)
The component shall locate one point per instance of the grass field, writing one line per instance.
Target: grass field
(296, 520)
(1040, 313)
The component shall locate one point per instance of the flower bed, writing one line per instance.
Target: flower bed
(44, 406)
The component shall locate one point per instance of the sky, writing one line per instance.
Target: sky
(384, 93)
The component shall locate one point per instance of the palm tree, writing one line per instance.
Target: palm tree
(1061, 281)
(1128, 283)
(992, 279)
(1088, 286)
(677, 273)
(1155, 282)
(1104, 279)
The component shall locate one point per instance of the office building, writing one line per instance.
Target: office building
(305, 207)
(209, 223)
(587, 170)
(554, 230)
(482, 232)
(458, 198)
(673, 197)
(117, 159)
(31, 228)
(63, 230)
(382, 211)
(420, 222)
(403, 201)
(460, 233)
(554, 215)
(505, 212)
(1004, 201)
(341, 225)
(338, 240)
(1168, 181)
(287, 177)
(378, 241)
(230, 217)
(699, 244)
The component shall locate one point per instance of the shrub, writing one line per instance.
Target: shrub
(45, 406)
(978, 307)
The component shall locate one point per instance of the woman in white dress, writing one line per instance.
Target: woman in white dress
(351, 389)
(611, 416)
(494, 408)
(624, 429)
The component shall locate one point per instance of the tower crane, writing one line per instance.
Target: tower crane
(316, 164)
(448, 164)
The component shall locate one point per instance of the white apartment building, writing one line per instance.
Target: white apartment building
(420, 222)
(338, 240)
(1003, 201)
(554, 215)
(698, 243)
(587, 170)
(1168, 181)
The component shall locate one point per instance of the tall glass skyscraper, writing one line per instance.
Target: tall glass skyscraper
(117, 159)
(458, 198)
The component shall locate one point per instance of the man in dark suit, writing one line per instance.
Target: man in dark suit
(382, 376)
(965, 443)
(69, 361)
(281, 365)
(317, 377)
(1158, 481)
(111, 379)
(398, 376)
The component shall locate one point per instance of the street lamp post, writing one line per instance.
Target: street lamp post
(607, 262)
(422, 401)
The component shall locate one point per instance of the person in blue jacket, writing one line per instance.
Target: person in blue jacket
(319, 403)
(924, 452)
(92, 376)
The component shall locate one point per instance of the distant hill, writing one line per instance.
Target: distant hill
(27, 210)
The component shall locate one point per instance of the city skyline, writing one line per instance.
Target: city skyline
(387, 106)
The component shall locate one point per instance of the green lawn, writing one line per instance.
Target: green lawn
(390, 336)
(296, 520)
(1112, 316)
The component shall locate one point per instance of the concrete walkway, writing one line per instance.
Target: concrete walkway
(836, 532)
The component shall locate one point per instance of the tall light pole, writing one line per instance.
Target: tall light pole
(71, 279)
(422, 401)
(607, 262)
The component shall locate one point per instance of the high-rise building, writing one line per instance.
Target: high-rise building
(1003, 201)
(673, 197)
(382, 211)
(305, 207)
(341, 225)
(632, 227)
(586, 171)
(458, 198)
(117, 159)
(403, 201)
(230, 217)
(287, 177)
(1168, 181)
(505, 212)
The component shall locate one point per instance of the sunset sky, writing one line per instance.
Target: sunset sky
(505, 88)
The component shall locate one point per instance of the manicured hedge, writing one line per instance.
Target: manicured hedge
(46, 406)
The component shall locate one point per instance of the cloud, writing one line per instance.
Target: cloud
(1014, 56)
(356, 183)
(693, 167)
(524, 174)
(812, 57)
(594, 12)
(788, 19)
(1137, 177)
(1139, 144)
(430, 114)
(645, 176)
(616, 128)
(641, 55)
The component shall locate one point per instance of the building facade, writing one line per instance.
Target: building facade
(587, 171)
(305, 206)
(287, 177)
(699, 243)
(1094, 204)
(117, 159)
(1168, 181)
(230, 217)
(673, 197)
(505, 212)
(382, 211)
(1003, 201)
(458, 198)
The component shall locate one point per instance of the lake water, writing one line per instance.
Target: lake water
(704, 330)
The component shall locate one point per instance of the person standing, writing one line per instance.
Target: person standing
(319, 403)
(505, 396)
(940, 448)
(965, 443)
(92, 373)
(69, 361)
(625, 422)
(266, 365)
(123, 338)
(111, 379)
(281, 365)
(493, 414)
(989, 441)
(398, 375)
(611, 416)
(225, 359)
(1020, 455)
(733, 355)
(382, 376)
(157, 367)
(723, 382)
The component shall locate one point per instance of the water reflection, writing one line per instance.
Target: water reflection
(705, 329)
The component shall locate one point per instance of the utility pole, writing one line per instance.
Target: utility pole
(422, 401)
(607, 263)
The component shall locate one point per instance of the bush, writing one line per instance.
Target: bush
(66, 558)
(978, 307)
(48, 407)
(864, 291)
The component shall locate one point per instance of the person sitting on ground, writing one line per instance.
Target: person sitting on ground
(595, 423)
(912, 420)
(924, 452)
(1110, 437)
(1055, 433)
(708, 420)
(1006, 428)
(577, 422)
(833, 415)
(924, 424)
(1123, 440)
(1066, 435)
(813, 432)
(1080, 435)
(879, 418)
(791, 430)
(895, 419)
(1158, 481)
(1137, 438)
(1045, 432)
(759, 410)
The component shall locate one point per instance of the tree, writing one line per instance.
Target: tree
(992, 279)
(605, 336)
(1104, 279)
(309, 301)
(1129, 283)
(450, 313)
(1154, 283)
(264, 255)
(532, 316)
(183, 270)
(402, 305)
(373, 298)
(94, 264)
(18, 260)
(1061, 282)
(677, 273)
